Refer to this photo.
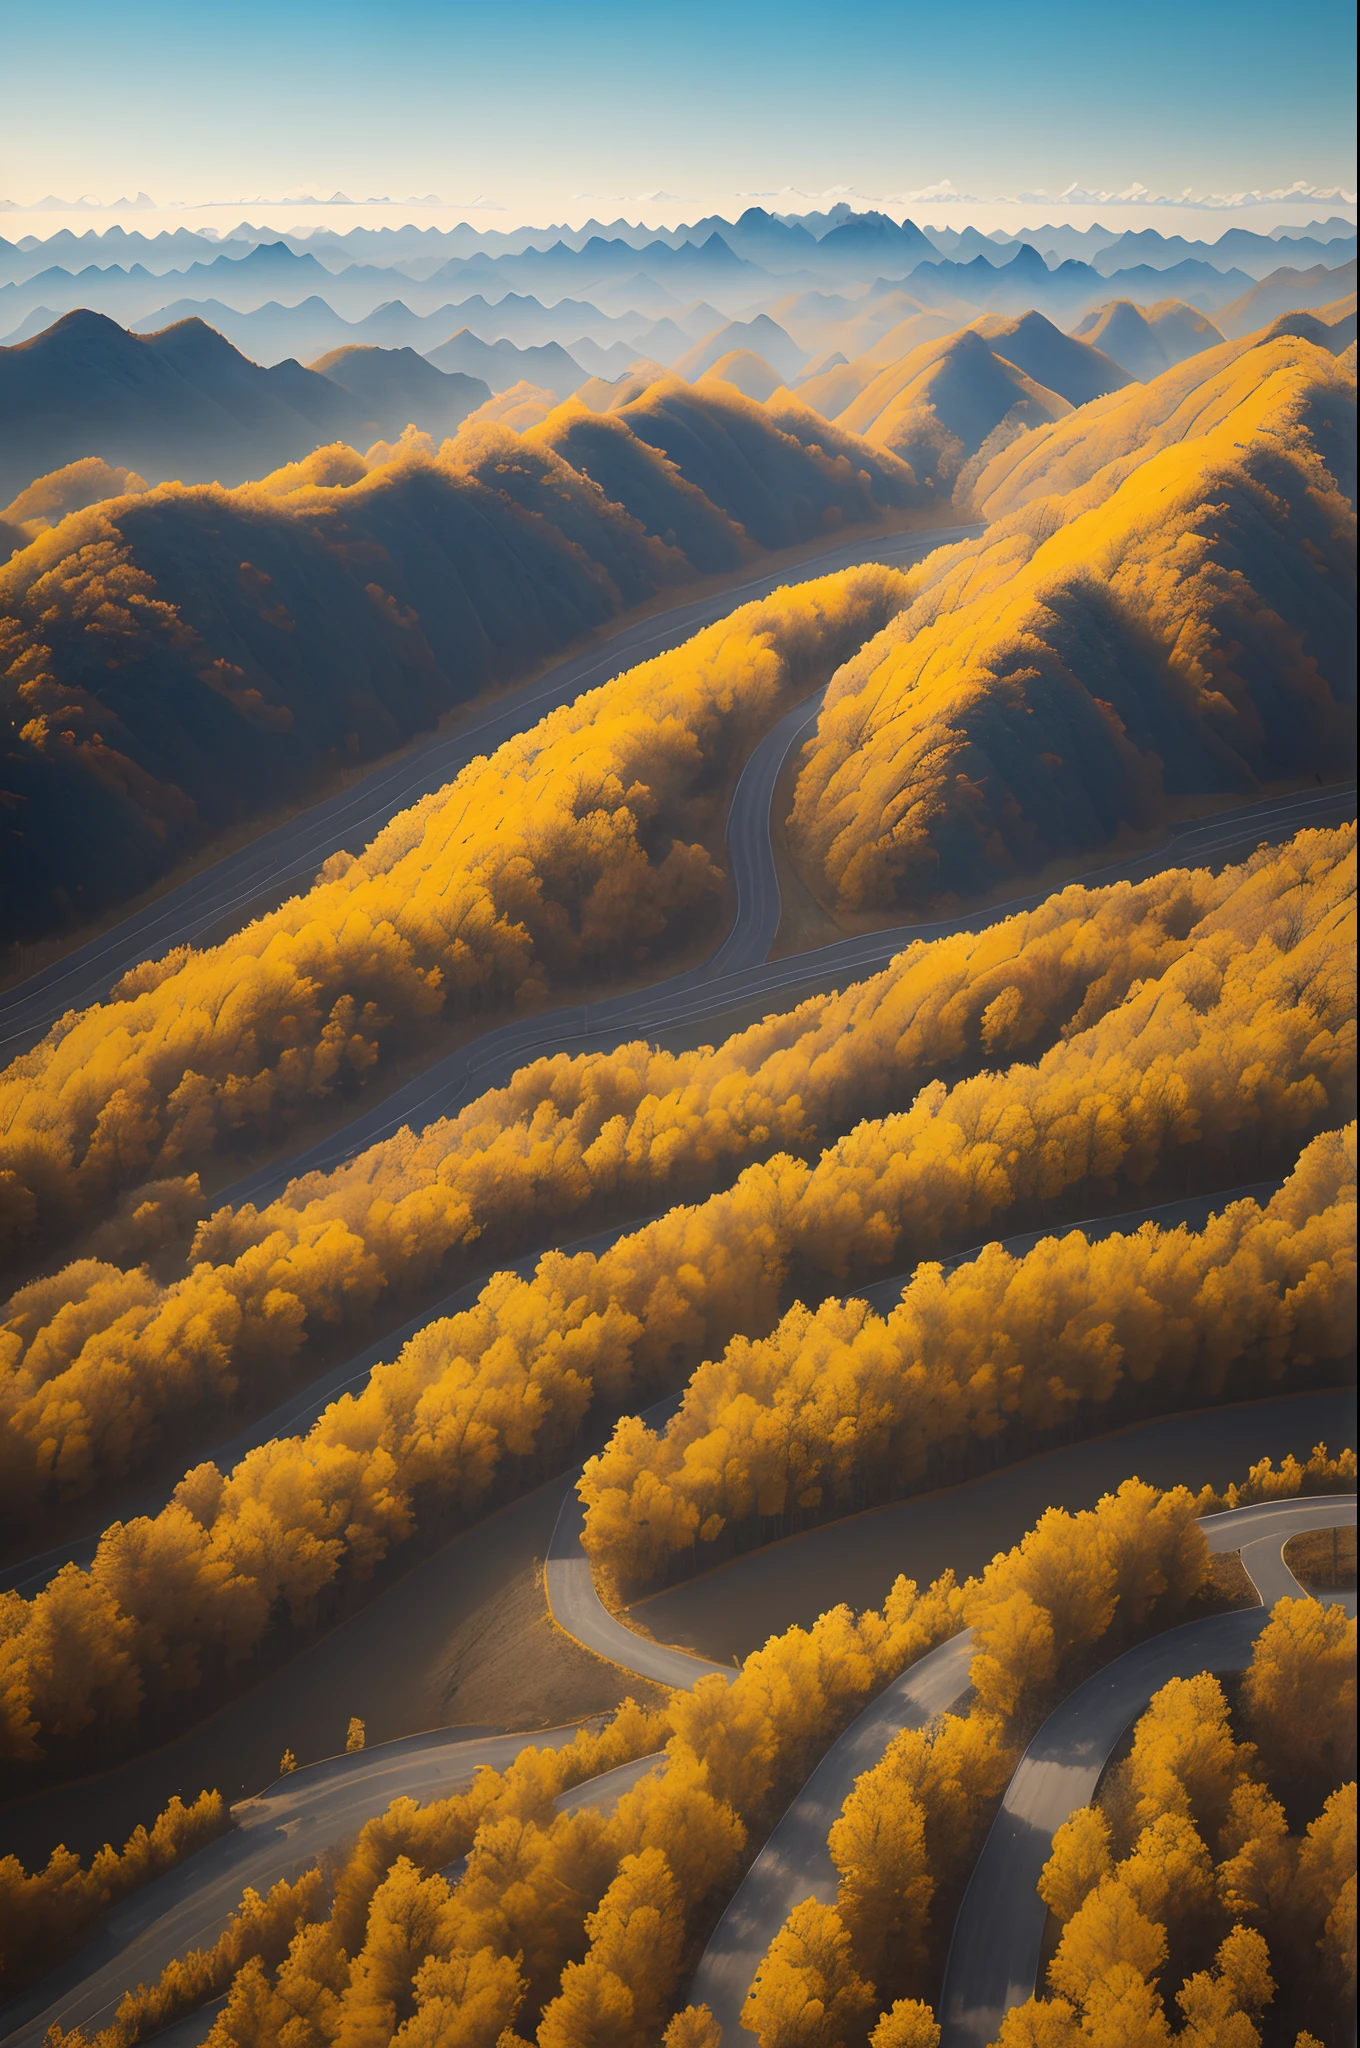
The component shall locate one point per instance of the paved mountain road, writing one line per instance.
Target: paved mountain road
(277, 1835)
(291, 853)
(694, 1004)
(795, 1863)
(686, 1005)
(286, 1828)
(324, 1804)
(994, 1956)
(576, 1606)
(737, 976)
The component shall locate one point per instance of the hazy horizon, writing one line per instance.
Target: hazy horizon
(537, 116)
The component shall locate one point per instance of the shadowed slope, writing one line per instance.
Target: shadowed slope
(252, 640)
(1145, 340)
(1077, 370)
(1180, 621)
(396, 387)
(179, 403)
(937, 406)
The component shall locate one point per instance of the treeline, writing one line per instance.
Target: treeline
(570, 848)
(1218, 1864)
(179, 659)
(491, 1910)
(455, 1921)
(1025, 708)
(98, 1360)
(258, 1936)
(1077, 1590)
(842, 1409)
(1124, 430)
(45, 1915)
(1219, 1068)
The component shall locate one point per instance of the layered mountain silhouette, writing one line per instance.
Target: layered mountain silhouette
(778, 242)
(1147, 340)
(763, 335)
(500, 363)
(182, 403)
(398, 388)
(1025, 280)
(1287, 291)
(1237, 248)
(300, 293)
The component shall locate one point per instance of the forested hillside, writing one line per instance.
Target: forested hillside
(1219, 1068)
(842, 1410)
(1162, 607)
(576, 846)
(1221, 1856)
(506, 1906)
(573, 1141)
(180, 659)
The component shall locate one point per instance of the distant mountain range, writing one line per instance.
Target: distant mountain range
(776, 242)
(185, 404)
(976, 345)
(949, 290)
(621, 280)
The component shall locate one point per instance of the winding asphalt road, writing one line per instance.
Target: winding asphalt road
(277, 1835)
(329, 1802)
(998, 1936)
(577, 1608)
(271, 865)
(736, 977)
(795, 1863)
(285, 1828)
(739, 974)
(324, 1804)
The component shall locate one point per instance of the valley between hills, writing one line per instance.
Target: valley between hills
(677, 1156)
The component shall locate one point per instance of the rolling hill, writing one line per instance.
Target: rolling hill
(1026, 707)
(936, 407)
(1077, 370)
(748, 372)
(775, 471)
(182, 403)
(253, 640)
(1128, 426)
(762, 336)
(522, 406)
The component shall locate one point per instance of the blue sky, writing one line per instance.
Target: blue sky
(535, 105)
